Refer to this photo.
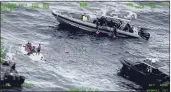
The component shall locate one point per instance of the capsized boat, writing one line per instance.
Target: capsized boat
(90, 24)
(34, 56)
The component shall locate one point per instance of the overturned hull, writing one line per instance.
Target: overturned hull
(34, 56)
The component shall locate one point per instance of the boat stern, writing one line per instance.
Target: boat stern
(144, 34)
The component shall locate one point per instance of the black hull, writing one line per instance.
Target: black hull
(142, 79)
(10, 75)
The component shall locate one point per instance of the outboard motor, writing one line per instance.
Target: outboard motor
(144, 34)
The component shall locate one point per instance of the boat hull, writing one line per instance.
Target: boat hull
(92, 27)
(130, 72)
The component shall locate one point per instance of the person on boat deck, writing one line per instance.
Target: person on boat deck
(38, 49)
(110, 23)
(103, 21)
(114, 32)
(149, 69)
(84, 17)
(128, 27)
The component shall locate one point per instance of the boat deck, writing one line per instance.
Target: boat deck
(75, 19)
(90, 18)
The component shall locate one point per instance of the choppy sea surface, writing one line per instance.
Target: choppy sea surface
(79, 60)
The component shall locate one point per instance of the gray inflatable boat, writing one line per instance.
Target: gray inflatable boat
(76, 20)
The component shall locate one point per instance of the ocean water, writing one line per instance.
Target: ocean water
(80, 60)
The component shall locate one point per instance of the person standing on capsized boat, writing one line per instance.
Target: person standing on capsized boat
(27, 47)
(30, 46)
(38, 49)
(33, 49)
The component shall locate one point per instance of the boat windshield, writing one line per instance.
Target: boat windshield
(141, 66)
